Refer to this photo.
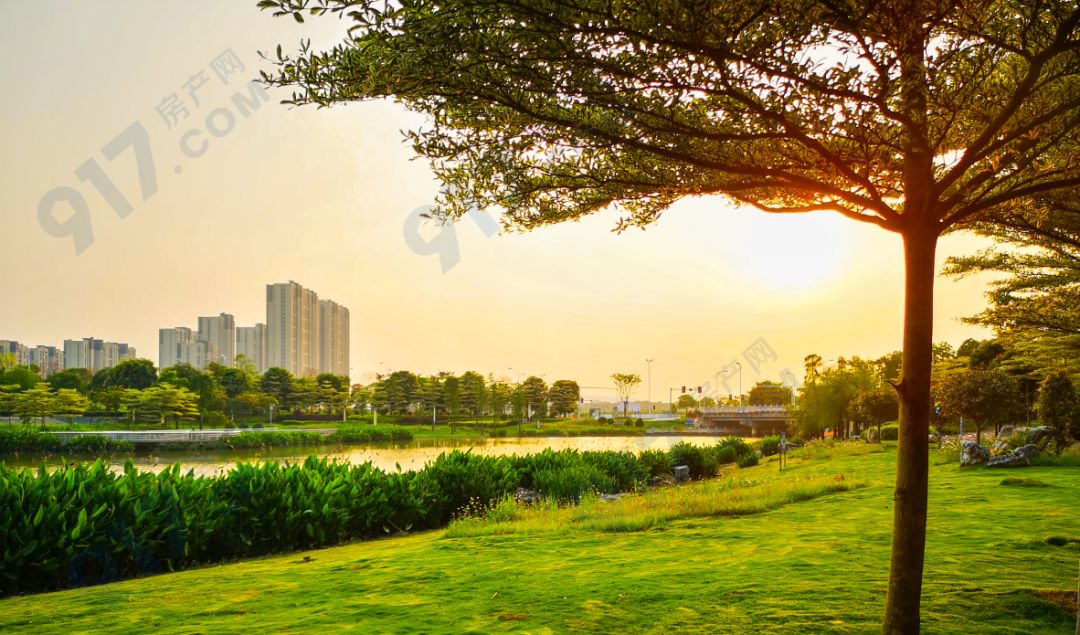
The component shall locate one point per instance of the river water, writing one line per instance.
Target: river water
(409, 456)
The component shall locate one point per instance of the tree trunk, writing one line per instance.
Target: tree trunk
(912, 461)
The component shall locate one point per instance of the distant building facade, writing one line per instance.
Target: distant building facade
(19, 351)
(251, 343)
(181, 345)
(48, 359)
(333, 338)
(219, 334)
(94, 354)
(304, 335)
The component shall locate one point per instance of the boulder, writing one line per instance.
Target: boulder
(682, 473)
(1039, 433)
(663, 479)
(871, 435)
(1006, 431)
(1020, 457)
(1000, 447)
(972, 453)
(526, 496)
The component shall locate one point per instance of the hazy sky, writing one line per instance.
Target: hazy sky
(322, 197)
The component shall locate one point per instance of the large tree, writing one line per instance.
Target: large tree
(1057, 408)
(130, 373)
(73, 378)
(279, 384)
(769, 393)
(473, 393)
(166, 401)
(536, 397)
(874, 408)
(910, 115)
(980, 397)
(565, 395)
(624, 388)
(1034, 305)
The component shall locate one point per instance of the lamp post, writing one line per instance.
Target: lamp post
(649, 362)
(739, 364)
(271, 414)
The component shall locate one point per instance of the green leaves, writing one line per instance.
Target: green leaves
(74, 524)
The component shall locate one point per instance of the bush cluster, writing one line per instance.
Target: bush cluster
(26, 439)
(770, 445)
(890, 432)
(84, 524)
(704, 461)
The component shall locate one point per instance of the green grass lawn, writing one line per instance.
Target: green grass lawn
(755, 551)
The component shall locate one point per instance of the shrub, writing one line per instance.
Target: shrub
(271, 439)
(85, 524)
(26, 439)
(738, 444)
(655, 462)
(693, 457)
(371, 434)
(639, 423)
(622, 468)
(770, 445)
(290, 422)
(99, 444)
(725, 455)
(890, 432)
(454, 480)
(215, 419)
(570, 484)
(748, 460)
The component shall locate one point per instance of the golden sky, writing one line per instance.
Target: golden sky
(323, 197)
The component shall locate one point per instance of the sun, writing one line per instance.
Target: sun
(792, 252)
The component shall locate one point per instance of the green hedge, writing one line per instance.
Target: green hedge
(890, 432)
(26, 439)
(85, 524)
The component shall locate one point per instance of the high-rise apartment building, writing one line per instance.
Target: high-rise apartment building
(251, 343)
(295, 331)
(20, 352)
(48, 359)
(219, 334)
(94, 354)
(181, 345)
(333, 338)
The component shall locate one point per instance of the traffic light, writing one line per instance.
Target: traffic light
(684, 389)
(699, 390)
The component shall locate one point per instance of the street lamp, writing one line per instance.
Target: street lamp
(271, 414)
(739, 364)
(649, 362)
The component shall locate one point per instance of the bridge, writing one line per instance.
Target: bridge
(747, 421)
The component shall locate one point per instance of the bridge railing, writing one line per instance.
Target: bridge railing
(153, 436)
(747, 410)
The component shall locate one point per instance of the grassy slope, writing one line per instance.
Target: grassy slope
(814, 566)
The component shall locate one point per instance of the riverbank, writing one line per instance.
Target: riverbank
(1000, 558)
(412, 455)
(28, 442)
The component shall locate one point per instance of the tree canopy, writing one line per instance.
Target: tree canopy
(913, 116)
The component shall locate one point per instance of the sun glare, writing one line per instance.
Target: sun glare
(793, 253)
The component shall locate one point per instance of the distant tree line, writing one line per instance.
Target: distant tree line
(137, 391)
